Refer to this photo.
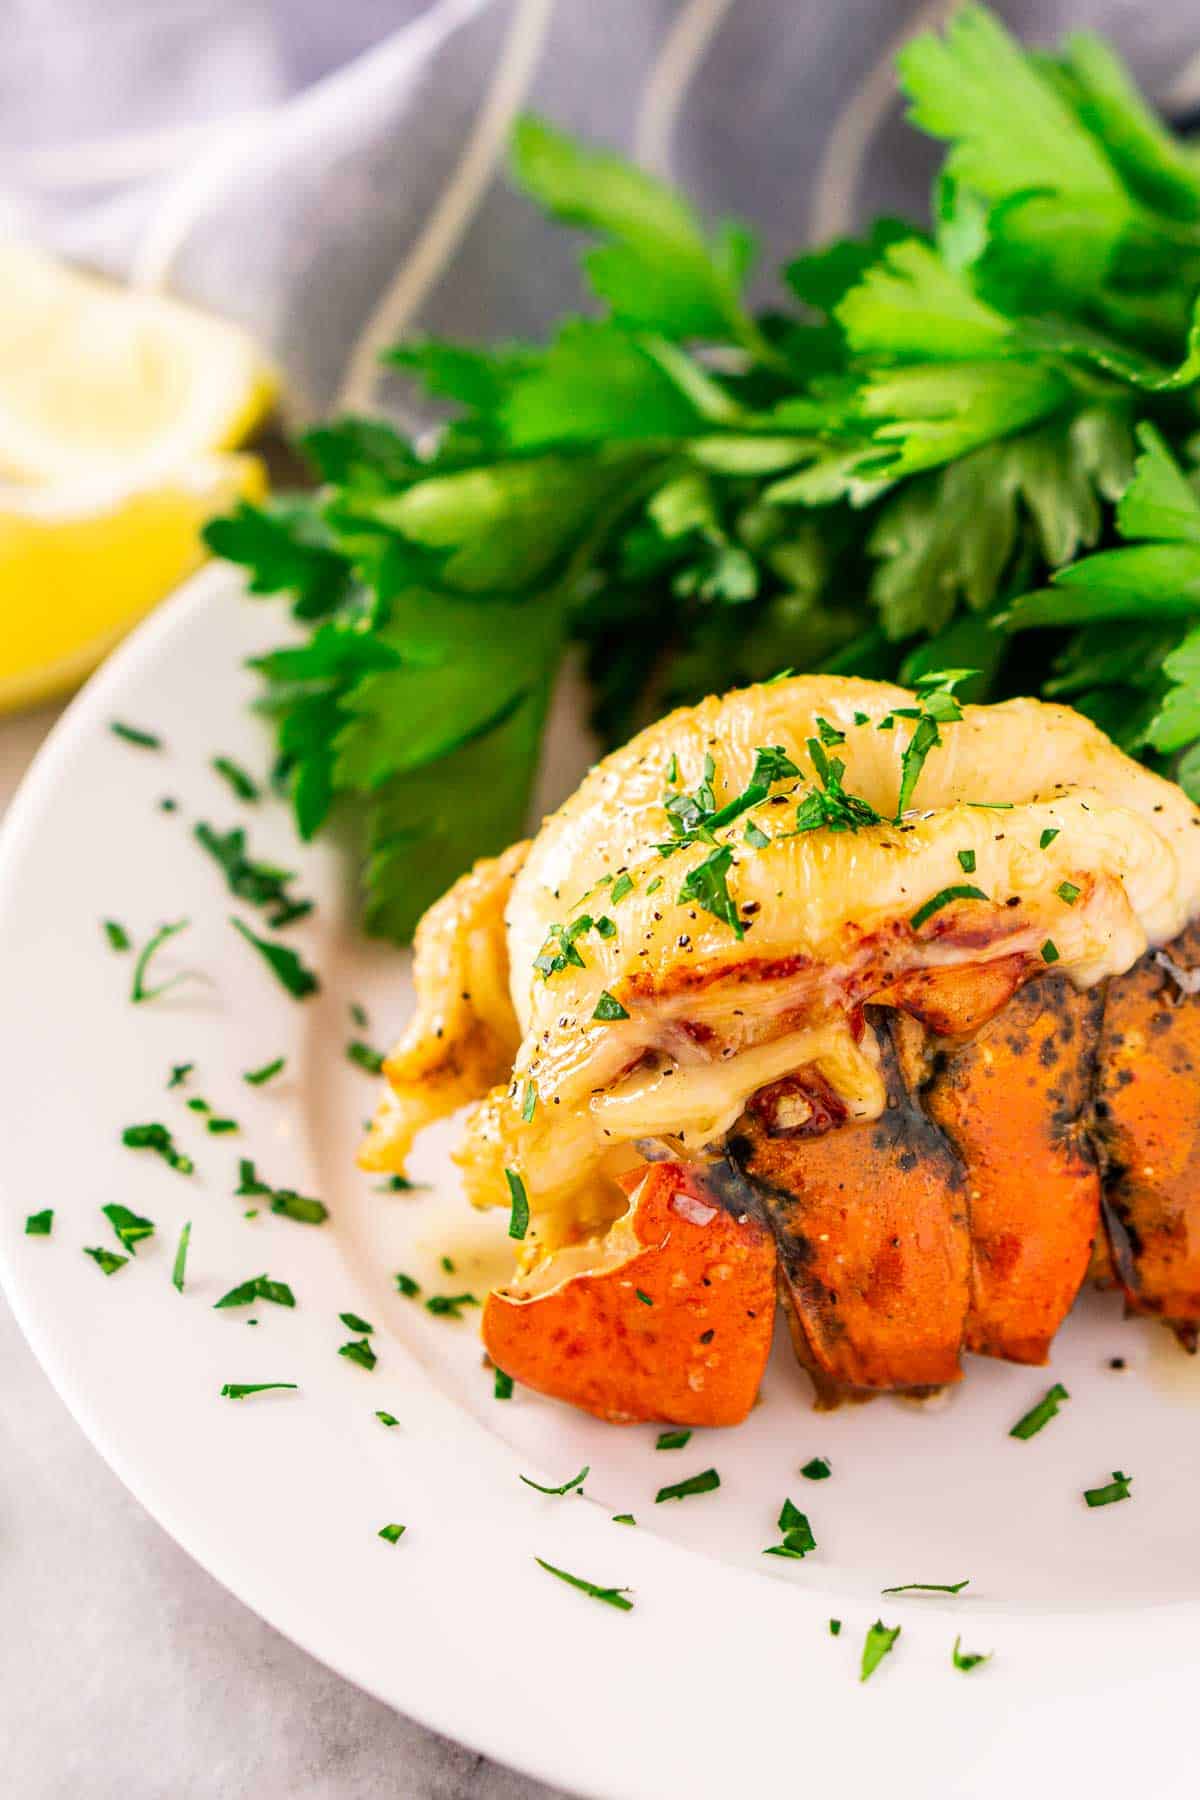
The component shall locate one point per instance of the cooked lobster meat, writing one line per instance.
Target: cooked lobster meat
(891, 1008)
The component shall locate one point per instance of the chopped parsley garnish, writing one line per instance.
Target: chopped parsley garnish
(968, 1659)
(407, 1286)
(129, 1227)
(1050, 951)
(654, 885)
(259, 1287)
(576, 1481)
(879, 1641)
(643, 1297)
(179, 1074)
(238, 1390)
(958, 891)
(605, 927)
(359, 1351)
(518, 1218)
(387, 1418)
(830, 807)
(130, 734)
(672, 1440)
(623, 1519)
(829, 734)
(248, 1179)
(1048, 836)
(259, 1077)
(448, 1306)
(258, 883)
(242, 784)
(550, 961)
(355, 1322)
(285, 1201)
(196, 1104)
(157, 1138)
(706, 886)
(797, 1536)
(621, 886)
(608, 1008)
(502, 1386)
(118, 937)
(966, 861)
(283, 963)
(358, 1015)
(1066, 890)
(704, 1483)
(107, 1260)
(610, 1596)
(695, 817)
(447, 1265)
(298, 1207)
(364, 1057)
(392, 1533)
(938, 706)
(1041, 1414)
(40, 1224)
(835, 1628)
(139, 990)
(529, 1102)
(179, 1267)
(1116, 1489)
(757, 840)
(818, 1468)
(928, 1587)
(221, 1127)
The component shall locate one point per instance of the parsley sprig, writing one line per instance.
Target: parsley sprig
(897, 467)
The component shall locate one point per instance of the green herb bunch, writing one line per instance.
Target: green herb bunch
(896, 469)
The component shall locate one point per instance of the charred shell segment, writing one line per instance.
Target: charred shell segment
(670, 1318)
(872, 1226)
(1146, 1120)
(1012, 1101)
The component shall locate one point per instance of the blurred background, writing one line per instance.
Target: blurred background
(330, 177)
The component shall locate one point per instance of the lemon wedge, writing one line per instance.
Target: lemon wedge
(97, 379)
(81, 562)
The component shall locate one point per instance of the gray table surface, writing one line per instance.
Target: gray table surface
(126, 1672)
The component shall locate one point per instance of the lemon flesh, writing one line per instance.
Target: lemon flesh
(97, 379)
(80, 564)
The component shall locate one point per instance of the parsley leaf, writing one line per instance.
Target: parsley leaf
(576, 1481)
(240, 1390)
(968, 1659)
(704, 1483)
(706, 885)
(929, 450)
(1046, 1409)
(283, 962)
(518, 1222)
(610, 1596)
(259, 1287)
(156, 1137)
(1116, 1489)
(179, 1267)
(107, 1261)
(878, 1644)
(129, 1227)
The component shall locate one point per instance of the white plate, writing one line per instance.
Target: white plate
(724, 1678)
